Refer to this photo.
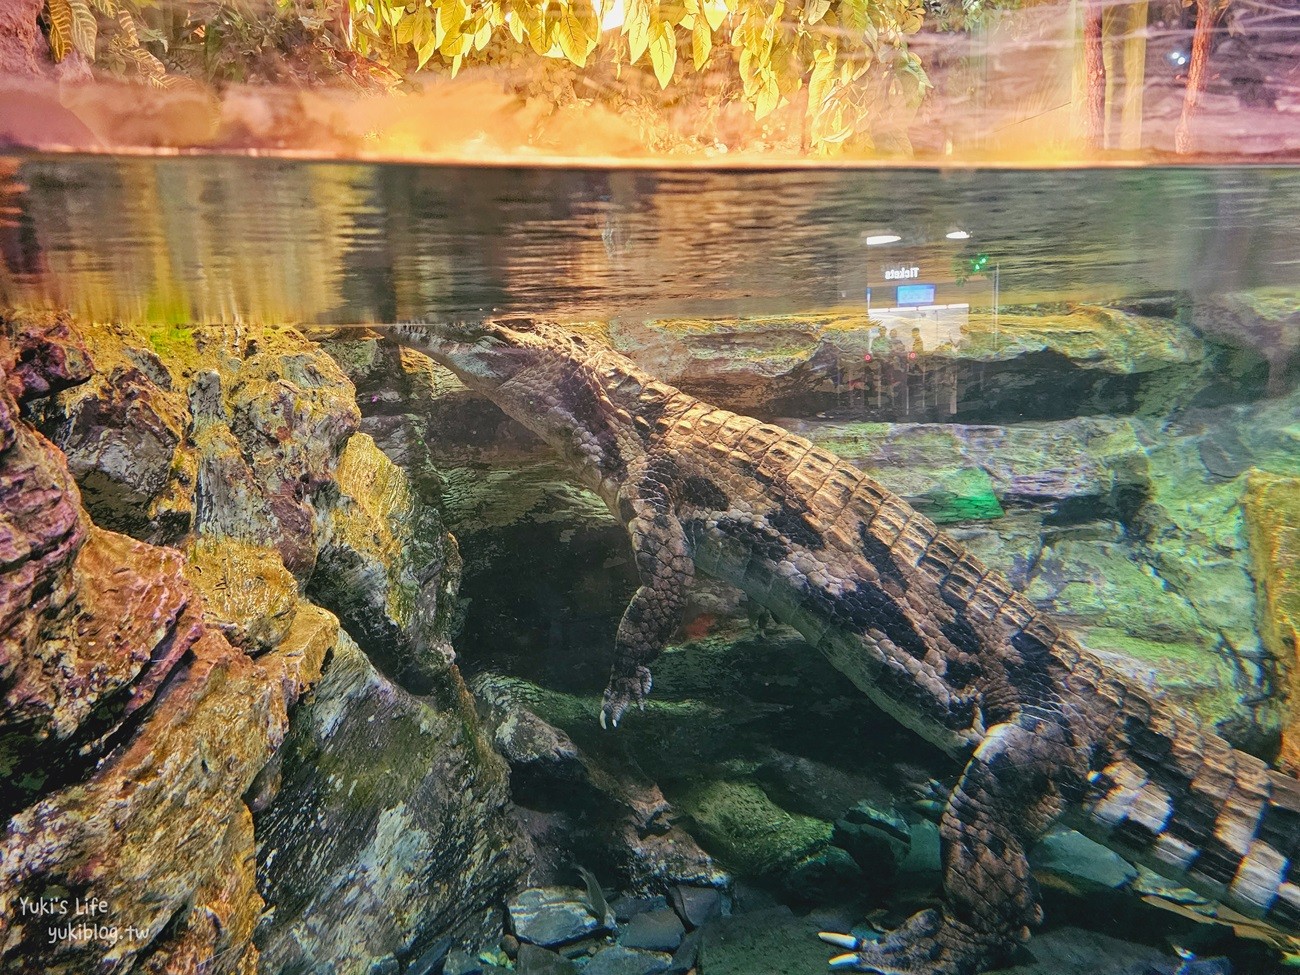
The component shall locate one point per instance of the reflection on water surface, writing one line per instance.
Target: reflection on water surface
(220, 239)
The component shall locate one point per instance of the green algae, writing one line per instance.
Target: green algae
(746, 830)
(962, 495)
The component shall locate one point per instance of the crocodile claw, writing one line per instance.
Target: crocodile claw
(621, 692)
(854, 944)
(840, 940)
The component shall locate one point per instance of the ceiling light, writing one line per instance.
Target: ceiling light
(875, 239)
(957, 235)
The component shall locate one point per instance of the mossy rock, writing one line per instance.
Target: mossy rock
(739, 824)
(389, 829)
(1107, 585)
(246, 590)
(963, 495)
(1273, 516)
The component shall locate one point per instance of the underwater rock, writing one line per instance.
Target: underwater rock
(1071, 949)
(180, 721)
(122, 432)
(627, 907)
(1264, 322)
(100, 658)
(45, 353)
(1085, 867)
(43, 526)
(1029, 362)
(533, 960)
(572, 805)
(187, 720)
(551, 916)
(1119, 605)
(389, 826)
(659, 930)
(246, 589)
(877, 841)
(984, 468)
(461, 963)
(387, 566)
(746, 828)
(696, 905)
(158, 830)
(1272, 506)
(620, 960)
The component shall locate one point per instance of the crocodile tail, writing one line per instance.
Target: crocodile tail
(1178, 798)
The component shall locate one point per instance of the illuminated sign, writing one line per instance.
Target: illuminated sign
(902, 273)
(915, 294)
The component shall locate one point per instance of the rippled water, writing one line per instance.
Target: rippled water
(221, 239)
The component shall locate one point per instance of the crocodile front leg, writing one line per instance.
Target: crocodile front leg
(664, 563)
(1007, 797)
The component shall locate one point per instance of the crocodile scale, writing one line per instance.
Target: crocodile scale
(1049, 732)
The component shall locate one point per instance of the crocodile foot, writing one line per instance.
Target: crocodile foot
(925, 944)
(622, 691)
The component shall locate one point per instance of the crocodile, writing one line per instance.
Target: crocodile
(1049, 732)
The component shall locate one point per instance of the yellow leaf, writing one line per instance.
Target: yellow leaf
(672, 11)
(127, 26)
(572, 36)
(715, 12)
(823, 77)
(84, 28)
(816, 10)
(439, 27)
(483, 35)
(638, 38)
(60, 29)
(515, 19)
(663, 52)
(405, 33)
(455, 64)
(687, 22)
(631, 13)
(449, 15)
(701, 44)
(765, 101)
(424, 51)
(590, 17)
(540, 33)
(456, 44)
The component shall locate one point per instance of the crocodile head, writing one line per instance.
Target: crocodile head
(485, 354)
(534, 371)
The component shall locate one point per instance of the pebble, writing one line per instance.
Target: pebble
(626, 908)
(696, 905)
(550, 916)
(533, 960)
(659, 930)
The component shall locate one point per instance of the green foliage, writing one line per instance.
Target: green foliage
(849, 57)
(839, 63)
(104, 31)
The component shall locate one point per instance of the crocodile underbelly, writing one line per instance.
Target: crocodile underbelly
(792, 591)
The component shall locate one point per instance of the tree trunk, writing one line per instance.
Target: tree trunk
(1094, 105)
(1206, 14)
